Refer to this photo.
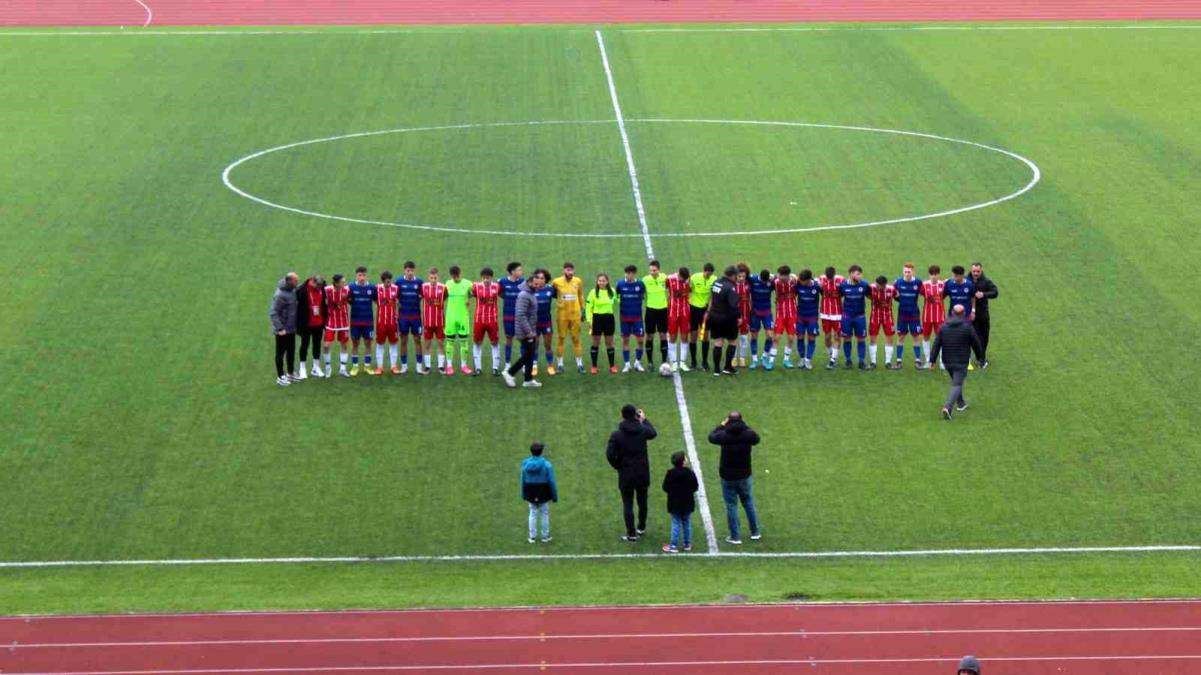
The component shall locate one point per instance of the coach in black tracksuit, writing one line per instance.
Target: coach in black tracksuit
(627, 454)
(724, 308)
(985, 290)
(956, 342)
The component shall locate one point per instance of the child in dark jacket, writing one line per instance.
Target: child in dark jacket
(680, 485)
(538, 489)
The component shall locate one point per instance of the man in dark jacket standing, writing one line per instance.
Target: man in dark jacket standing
(736, 440)
(525, 329)
(283, 324)
(724, 310)
(985, 290)
(627, 454)
(955, 343)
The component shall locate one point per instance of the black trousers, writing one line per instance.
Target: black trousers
(529, 356)
(310, 336)
(627, 507)
(981, 324)
(285, 348)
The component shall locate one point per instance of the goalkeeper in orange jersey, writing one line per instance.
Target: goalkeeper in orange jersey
(569, 294)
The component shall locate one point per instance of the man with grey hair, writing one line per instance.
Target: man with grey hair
(968, 665)
(956, 343)
(283, 323)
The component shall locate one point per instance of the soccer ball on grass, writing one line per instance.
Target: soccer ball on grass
(665, 370)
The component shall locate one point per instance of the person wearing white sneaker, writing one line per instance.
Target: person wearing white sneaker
(538, 489)
(736, 440)
(310, 322)
(525, 329)
(630, 293)
(283, 324)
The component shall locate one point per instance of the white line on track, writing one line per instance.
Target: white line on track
(799, 633)
(906, 29)
(202, 33)
(681, 402)
(149, 13)
(167, 562)
(543, 665)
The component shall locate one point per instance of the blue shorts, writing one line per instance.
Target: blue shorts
(629, 328)
(360, 332)
(409, 327)
(758, 322)
(510, 326)
(808, 325)
(543, 328)
(856, 325)
(907, 326)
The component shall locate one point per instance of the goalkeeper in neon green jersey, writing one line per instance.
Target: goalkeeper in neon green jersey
(458, 326)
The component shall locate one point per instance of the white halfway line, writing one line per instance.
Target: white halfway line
(916, 553)
(149, 13)
(681, 401)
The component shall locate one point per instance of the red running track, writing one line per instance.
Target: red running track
(305, 12)
(1099, 638)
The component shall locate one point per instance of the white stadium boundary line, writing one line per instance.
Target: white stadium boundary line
(202, 33)
(1035, 177)
(149, 13)
(165, 562)
(677, 382)
(908, 29)
(799, 633)
(545, 665)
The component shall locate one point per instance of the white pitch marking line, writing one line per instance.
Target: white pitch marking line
(905, 29)
(681, 402)
(542, 665)
(201, 33)
(799, 633)
(164, 562)
(1035, 174)
(149, 13)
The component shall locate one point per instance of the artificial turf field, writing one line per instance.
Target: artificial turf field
(141, 420)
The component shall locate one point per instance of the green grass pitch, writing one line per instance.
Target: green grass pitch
(140, 419)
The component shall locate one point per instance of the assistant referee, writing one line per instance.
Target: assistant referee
(656, 312)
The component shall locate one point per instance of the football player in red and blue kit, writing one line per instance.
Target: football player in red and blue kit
(762, 287)
(510, 288)
(362, 320)
(854, 292)
(409, 314)
(630, 294)
(909, 314)
(808, 317)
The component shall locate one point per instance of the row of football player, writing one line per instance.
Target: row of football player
(673, 307)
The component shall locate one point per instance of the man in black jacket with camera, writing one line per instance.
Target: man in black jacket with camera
(627, 454)
(736, 440)
(955, 343)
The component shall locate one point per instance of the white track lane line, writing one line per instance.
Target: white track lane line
(542, 665)
(907, 29)
(799, 633)
(681, 401)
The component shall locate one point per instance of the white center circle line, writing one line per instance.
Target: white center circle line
(1035, 176)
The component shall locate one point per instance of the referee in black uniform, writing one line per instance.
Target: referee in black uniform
(722, 320)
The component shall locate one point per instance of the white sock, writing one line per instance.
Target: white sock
(427, 362)
(579, 361)
(441, 361)
(379, 355)
(559, 362)
(672, 352)
(394, 355)
(496, 357)
(888, 350)
(875, 348)
(327, 356)
(342, 359)
(926, 349)
(787, 352)
(476, 352)
(744, 346)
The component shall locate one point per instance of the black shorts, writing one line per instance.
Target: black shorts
(696, 316)
(656, 321)
(723, 329)
(603, 324)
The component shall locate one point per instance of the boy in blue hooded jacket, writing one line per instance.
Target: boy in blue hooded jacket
(538, 489)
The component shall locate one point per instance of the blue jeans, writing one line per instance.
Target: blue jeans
(542, 509)
(681, 525)
(733, 491)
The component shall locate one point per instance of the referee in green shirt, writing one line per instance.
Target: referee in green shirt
(656, 313)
